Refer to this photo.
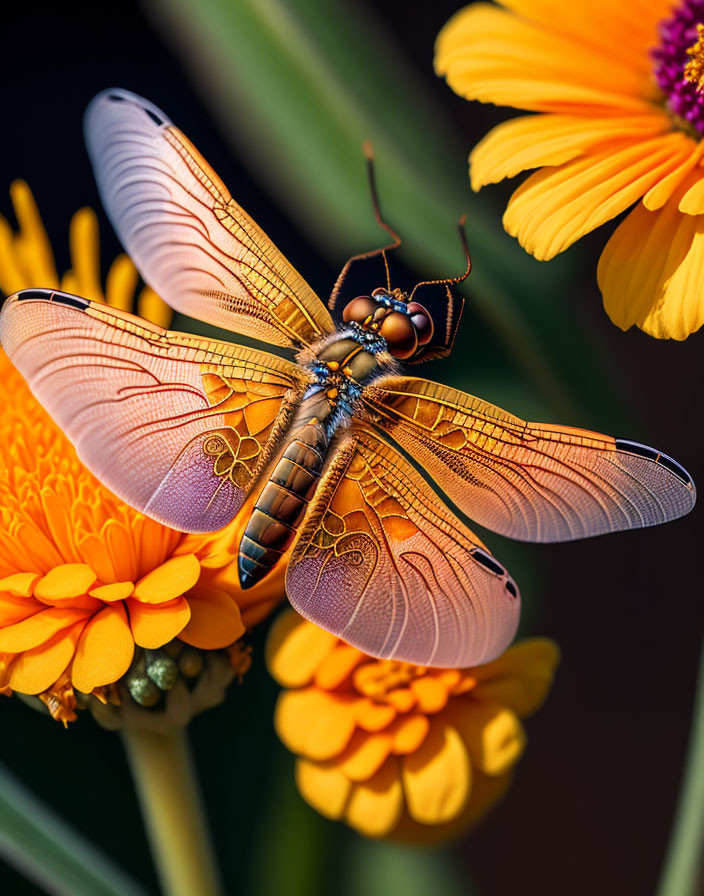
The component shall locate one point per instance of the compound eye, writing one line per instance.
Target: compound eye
(422, 321)
(400, 335)
(359, 309)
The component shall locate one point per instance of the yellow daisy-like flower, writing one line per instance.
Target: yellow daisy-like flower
(619, 92)
(85, 580)
(400, 750)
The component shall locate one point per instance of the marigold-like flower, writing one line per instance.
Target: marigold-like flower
(400, 750)
(619, 89)
(90, 589)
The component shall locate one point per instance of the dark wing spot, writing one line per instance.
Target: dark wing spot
(154, 117)
(511, 588)
(116, 97)
(651, 454)
(53, 295)
(488, 561)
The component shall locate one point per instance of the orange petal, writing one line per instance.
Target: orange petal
(403, 699)
(556, 206)
(409, 732)
(170, 580)
(152, 626)
(62, 585)
(15, 609)
(38, 629)
(20, 585)
(338, 666)
(374, 716)
(215, 620)
(437, 778)
(431, 693)
(38, 669)
(110, 593)
(692, 202)
(295, 648)
(374, 807)
(104, 651)
(323, 786)
(365, 754)
(314, 723)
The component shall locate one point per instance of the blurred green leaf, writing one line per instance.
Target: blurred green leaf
(683, 872)
(298, 86)
(50, 853)
(388, 869)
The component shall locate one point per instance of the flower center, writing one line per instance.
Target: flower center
(679, 65)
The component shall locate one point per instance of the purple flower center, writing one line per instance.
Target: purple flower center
(676, 69)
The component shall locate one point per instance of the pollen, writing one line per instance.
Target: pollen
(694, 69)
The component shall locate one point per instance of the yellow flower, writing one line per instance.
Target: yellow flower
(400, 750)
(618, 89)
(90, 588)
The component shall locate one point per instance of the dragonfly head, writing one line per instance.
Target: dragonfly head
(404, 325)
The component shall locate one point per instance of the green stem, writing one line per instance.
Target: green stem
(683, 873)
(171, 805)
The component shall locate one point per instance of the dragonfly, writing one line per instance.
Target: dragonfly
(344, 464)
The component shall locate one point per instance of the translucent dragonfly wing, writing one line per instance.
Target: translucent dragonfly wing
(530, 481)
(190, 240)
(381, 562)
(176, 425)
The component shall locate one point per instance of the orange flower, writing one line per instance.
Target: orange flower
(84, 579)
(396, 749)
(619, 92)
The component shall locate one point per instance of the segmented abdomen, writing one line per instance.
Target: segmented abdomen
(282, 502)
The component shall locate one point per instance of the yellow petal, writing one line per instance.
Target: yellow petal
(521, 677)
(151, 307)
(556, 206)
(628, 30)
(110, 593)
(104, 651)
(170, 580)
(295, 648)
(314, 723)
(38, 629)
(493, 734)
(430, 692)
(490, 55)
(365, 754)
(39, 258)
(692, 203)
(650, 272)
(85, 253)
(324, 787)
(66, 582)
(215, 620)
(437, 778)
(121, 283)
(533, 141)
(38, 669)
(661, 193)
(338, 666)
(374, 807)
(409, 732)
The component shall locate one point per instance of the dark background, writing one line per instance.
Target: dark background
(593, 801)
